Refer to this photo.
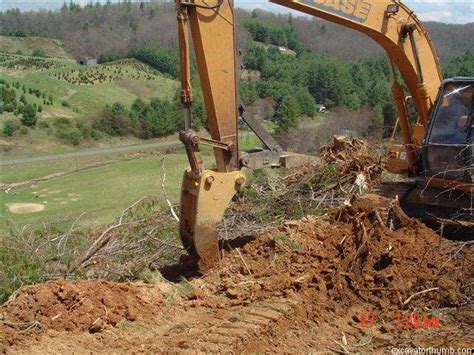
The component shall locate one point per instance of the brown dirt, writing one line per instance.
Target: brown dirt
(77, 306)
(302, 287)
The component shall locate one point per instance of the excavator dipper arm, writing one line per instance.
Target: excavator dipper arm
(207, 193)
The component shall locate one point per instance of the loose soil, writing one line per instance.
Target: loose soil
(25, 207)
(305, 286)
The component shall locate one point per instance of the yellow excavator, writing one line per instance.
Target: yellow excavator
(436, 151)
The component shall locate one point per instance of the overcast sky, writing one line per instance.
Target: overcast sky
(428, 10)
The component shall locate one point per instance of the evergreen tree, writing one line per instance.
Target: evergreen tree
(248, 93)
(9, 128)
(29, 117)
(461, 66)
(286, 114)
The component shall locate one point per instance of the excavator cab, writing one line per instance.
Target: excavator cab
(444, 187)
(447, 152)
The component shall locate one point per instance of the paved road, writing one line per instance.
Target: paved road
(93, 151)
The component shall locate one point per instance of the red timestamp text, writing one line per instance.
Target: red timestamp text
(404, 321)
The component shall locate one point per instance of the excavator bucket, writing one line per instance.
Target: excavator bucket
(204, 200)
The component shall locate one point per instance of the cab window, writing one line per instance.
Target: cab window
(452, 119)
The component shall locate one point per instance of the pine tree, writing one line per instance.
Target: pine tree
(286, 113)
(29, 117)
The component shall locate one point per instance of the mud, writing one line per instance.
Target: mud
(305, 286)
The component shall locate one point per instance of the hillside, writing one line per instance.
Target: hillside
(27, 45)
(86, 89)
(323, 36)
(450, 40)
(67, 97)
(86, 30)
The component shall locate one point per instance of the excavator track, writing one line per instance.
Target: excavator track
(449, 213)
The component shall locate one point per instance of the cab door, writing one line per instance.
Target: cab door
(448, 150)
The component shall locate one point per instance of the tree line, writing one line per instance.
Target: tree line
(114, 30)
(296, 81)
(145, 120)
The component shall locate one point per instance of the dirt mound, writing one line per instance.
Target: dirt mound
(353, 257)
(78, 306)
(296, 288)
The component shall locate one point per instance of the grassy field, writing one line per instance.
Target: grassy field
(29, 171)
(103, 191)
(26, 45)
(35, 170)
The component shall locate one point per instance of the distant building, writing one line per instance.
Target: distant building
(286, 51)
(86, 61)
(320, 108)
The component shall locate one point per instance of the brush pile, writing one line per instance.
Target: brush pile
(349, 169)
(353, 156)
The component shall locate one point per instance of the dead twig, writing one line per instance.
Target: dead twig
(66, 235)
(28, 325)
(408, 300)
(122, 215)
(245, 264)
(105, 237)
(362, 245)
(164, 192)
(392, 289)
(342, 346)
(452, 257)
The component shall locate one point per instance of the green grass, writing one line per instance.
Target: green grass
(248, 140)
(29, 171)
(102, 192)
(26, 45)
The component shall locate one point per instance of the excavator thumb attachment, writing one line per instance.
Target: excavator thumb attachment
(204, 200)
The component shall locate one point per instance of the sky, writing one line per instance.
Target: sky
(459, 12)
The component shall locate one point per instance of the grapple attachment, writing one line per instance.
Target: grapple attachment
(204, 199)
